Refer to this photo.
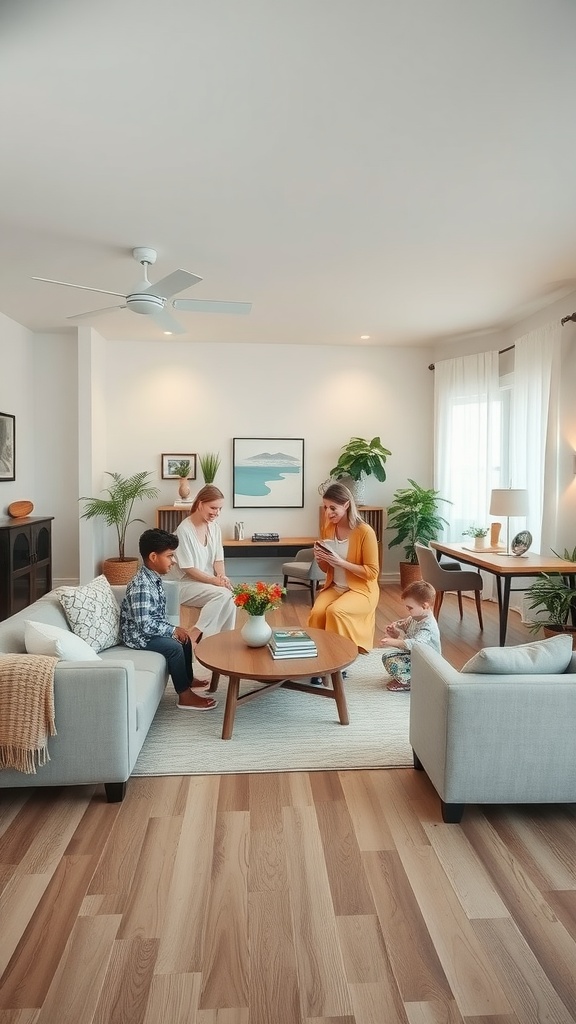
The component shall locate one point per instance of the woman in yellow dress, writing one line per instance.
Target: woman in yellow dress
(348, 554)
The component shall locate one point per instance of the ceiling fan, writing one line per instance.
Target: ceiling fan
(153, 299)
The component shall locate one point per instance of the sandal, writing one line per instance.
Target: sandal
(395, 686)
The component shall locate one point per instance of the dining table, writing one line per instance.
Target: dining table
(507, 567)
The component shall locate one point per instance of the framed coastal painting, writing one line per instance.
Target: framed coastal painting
(268, 472)
(7, 446)
(171, 465)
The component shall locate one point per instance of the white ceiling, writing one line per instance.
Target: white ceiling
(404, 169)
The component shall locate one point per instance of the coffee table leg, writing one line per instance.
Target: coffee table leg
(340, 698)
(214, 682)
(230, 709)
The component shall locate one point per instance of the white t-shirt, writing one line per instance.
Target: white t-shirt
(191, 554)
(339, 547)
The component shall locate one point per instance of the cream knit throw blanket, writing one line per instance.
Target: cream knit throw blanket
(26, 710)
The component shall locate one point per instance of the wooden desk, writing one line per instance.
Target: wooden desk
(227, 654)
(169, 517)
(506, 568)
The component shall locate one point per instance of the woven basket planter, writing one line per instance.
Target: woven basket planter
(119, 571)
(409, 573)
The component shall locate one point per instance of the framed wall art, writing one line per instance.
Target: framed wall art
(7, 446)
(172, 463)
(268, 472)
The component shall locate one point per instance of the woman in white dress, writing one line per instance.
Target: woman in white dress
(200, 566)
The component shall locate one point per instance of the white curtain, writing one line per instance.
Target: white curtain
(466, 439)
(534, 433)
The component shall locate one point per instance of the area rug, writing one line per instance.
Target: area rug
(284, 731)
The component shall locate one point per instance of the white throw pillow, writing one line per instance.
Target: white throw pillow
(92, 612)
(542, 657)
(40, 638)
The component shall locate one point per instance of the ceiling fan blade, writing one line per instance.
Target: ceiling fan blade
(211, 306)
(84, 287)
(94, 312)
(176, 282)
(167, 322)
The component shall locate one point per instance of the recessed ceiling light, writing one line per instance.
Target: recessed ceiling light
(364, 337)
(167, 332)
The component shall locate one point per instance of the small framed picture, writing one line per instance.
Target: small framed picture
(7, 446)
(174, 466)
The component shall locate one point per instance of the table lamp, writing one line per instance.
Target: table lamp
(509, 502)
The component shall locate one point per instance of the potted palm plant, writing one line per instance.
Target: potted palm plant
(209, 466)
(358, 459)
(555, 595)
(116, 511)
(415, 516)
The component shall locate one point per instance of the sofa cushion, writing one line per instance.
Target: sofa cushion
(41, 638)
(92, 612)
(542, 657)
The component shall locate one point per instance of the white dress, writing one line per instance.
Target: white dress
(217, 608)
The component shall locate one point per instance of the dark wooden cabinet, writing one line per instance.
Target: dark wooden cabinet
(25, 562)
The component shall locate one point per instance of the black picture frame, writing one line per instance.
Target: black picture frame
(169, 461)
(268, 472)
(7, 446)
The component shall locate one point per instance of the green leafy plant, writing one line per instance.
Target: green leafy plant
(415, 517)
(116, 509)
(556, 595)
(182, 469)
(209, 465)
(475, 531)
(362, 457)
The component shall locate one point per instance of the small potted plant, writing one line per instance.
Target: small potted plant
(479, 533)
(555, 595)
(415, 516)
(209, 466)
(359, 459)
(116, 511)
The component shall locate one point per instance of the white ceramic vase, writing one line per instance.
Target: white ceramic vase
(480, 542)
(256, 632)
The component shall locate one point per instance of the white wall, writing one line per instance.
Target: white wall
(182, 397)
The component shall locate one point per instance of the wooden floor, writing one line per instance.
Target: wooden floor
(303, 898)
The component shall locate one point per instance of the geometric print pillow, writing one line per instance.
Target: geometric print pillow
(92, 612)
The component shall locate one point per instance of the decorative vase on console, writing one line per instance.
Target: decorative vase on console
(184, 488)
(256, 632)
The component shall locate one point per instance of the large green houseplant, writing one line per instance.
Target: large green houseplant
(554, 594)
(360, 458)
(209, 466)
(415, 516)
(116, 511)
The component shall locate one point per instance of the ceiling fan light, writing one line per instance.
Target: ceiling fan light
(140, 302)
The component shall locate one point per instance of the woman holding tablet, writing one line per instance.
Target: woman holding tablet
(348, 554)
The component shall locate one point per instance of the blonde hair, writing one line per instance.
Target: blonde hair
(207, 493)
(421, 591)
(340, 495)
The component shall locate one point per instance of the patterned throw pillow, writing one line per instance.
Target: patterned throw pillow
(92, 612)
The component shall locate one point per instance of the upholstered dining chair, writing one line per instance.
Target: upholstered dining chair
(449, 580)
(304, 571)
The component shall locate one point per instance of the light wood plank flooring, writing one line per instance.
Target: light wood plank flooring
(303, 898)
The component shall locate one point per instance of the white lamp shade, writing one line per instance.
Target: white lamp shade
(509, 501)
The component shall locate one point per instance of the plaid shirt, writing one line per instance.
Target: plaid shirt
(143, 612)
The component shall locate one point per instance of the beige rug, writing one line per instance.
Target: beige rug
(284, 731)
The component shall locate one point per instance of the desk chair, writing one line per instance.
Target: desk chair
(304, 571)
(448, 580)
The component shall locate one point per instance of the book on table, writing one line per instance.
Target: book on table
(287, 655)
(291, 638)
(293, 645)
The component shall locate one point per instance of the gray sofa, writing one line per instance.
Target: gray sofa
(493, 739)
(103, 709)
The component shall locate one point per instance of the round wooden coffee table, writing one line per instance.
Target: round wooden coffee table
(226, 654)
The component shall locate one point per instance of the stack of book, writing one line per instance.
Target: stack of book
(291, 643)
